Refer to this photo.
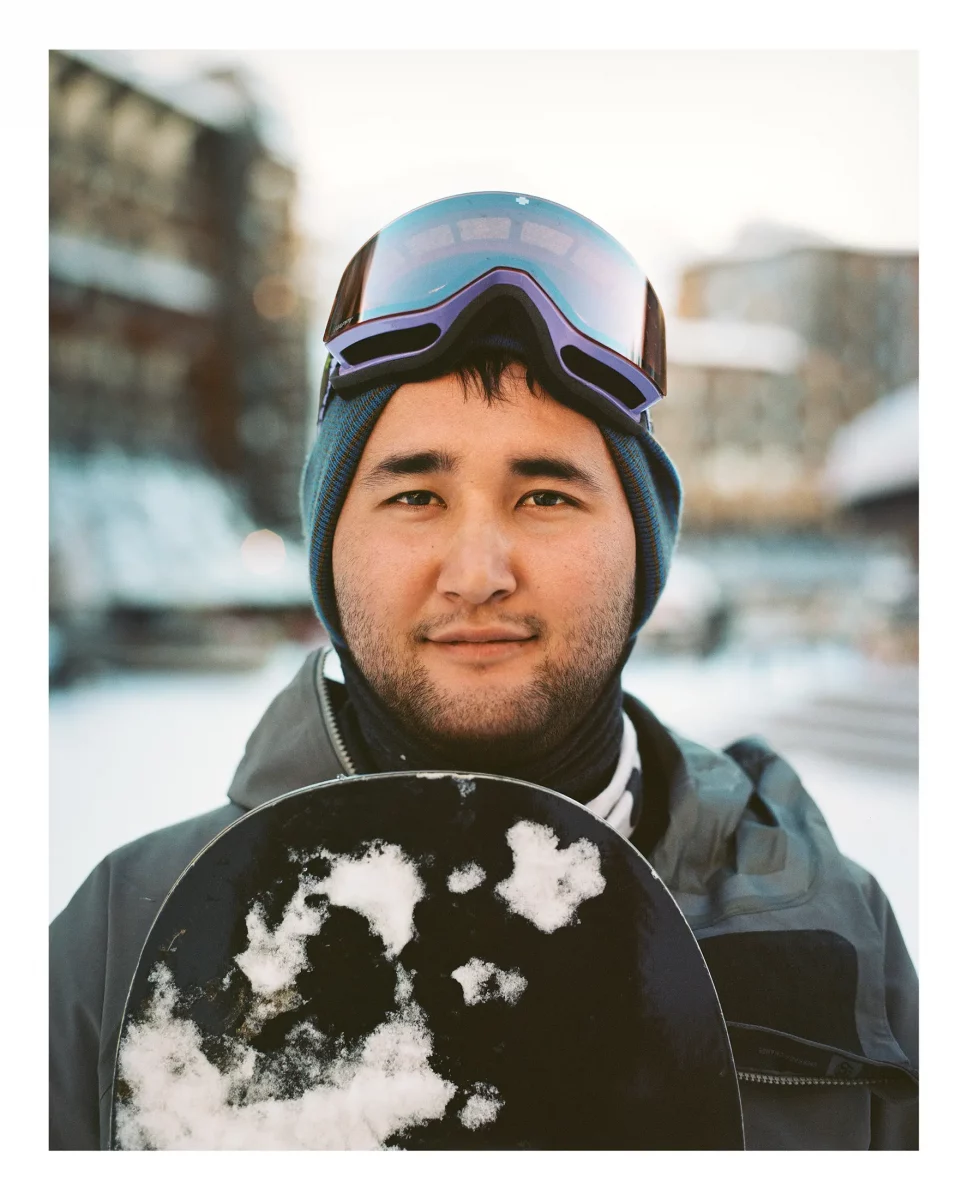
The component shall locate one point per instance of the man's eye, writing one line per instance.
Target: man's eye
(546, 499)
(417, 499)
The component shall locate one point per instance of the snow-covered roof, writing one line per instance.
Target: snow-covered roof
(216, 106)
(150, 278)
(876, 454)
(738, 344)
(210, 99)
(152, 532)
(766, 239)
(760, 240)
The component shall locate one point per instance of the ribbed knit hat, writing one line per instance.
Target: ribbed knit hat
(650, 481)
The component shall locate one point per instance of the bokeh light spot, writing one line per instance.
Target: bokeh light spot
(274, 298)
(264, 552)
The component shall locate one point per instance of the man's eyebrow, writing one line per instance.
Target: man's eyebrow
(420, 462)
(554, 468)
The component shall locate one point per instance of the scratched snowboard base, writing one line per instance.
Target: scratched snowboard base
(413, 961)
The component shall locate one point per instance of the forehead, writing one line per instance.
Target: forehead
(445, 412)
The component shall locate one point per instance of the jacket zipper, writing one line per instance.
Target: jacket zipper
(329, 720)
(754, 1077)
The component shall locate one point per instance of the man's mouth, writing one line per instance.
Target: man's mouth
(488, 644)
(490, 634)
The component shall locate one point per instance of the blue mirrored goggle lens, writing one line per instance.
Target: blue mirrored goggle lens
(430, 254)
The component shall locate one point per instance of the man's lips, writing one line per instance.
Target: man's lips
(493, 644)
(494, 634)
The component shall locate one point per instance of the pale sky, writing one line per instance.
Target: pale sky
(671, 151)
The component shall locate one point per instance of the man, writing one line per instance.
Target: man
(490, 523)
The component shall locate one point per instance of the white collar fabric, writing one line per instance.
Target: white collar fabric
(615, 805)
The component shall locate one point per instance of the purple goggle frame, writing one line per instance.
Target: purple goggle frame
(567, 351)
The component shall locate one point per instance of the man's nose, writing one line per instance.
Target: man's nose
(476, 566)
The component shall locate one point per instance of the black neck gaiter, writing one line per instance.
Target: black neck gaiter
(580, 767)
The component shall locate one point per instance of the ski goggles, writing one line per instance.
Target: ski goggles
(408, 294)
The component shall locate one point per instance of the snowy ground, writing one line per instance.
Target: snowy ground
(134, 751)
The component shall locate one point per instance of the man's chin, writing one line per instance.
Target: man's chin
(488, 692)
(492, 714)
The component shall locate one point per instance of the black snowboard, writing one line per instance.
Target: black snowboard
(423, 961)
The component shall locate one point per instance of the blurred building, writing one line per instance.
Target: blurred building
(872, 469)
(180, 401)
(872, 475)
(177, 323)
(774, 348)
(733, 424)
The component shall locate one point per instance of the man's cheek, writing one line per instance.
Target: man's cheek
(384, 595)
(582, 574)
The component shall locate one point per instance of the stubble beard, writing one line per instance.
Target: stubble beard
(488, 725)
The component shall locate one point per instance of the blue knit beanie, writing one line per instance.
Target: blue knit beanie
(650, 481)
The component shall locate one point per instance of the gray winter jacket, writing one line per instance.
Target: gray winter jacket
(818, 990)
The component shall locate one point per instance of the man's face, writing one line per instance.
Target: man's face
(484, 563)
